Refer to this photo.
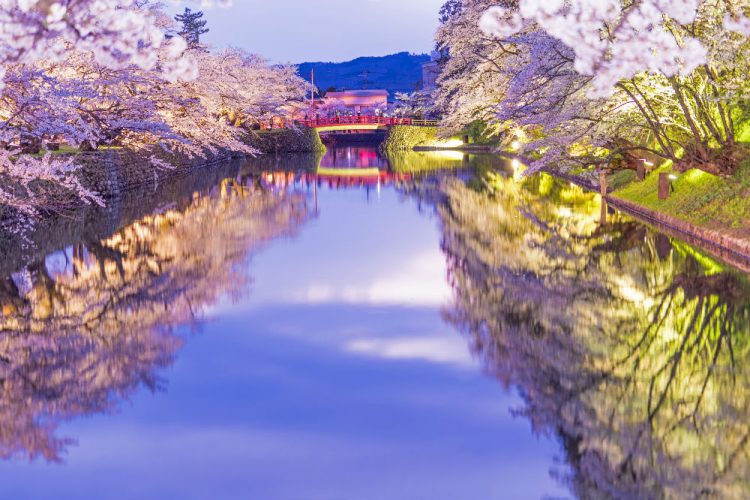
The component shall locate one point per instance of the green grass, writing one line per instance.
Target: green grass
(620, 179)
(699, 197)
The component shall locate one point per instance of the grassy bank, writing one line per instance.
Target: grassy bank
(700, 198)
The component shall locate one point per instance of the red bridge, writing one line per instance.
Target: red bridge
(363, 123)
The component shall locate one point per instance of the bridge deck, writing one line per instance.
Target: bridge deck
(363, 123)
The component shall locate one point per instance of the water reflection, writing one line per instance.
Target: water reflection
(632, 348)
(83, 328)
(629, 346)
(346, 167)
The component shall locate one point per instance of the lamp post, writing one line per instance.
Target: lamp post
(665, 185)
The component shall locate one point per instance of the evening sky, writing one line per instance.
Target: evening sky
(295, 31)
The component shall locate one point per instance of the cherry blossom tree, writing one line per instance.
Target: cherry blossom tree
(103, 73)
(119, 33)
(619, 81)
(245, 89)
(419, 104)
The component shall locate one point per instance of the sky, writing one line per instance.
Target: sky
(296, 31)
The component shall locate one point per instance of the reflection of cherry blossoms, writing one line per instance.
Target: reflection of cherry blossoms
(84, 329)
(628, 346)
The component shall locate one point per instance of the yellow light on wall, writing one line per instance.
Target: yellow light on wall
(449, 143)
(448, 155)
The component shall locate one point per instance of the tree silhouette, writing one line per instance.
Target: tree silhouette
(193, 26)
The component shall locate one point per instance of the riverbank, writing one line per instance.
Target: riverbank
(705, 209)
(282, 141)
(402, 138)
(55, 230)
(113, 172)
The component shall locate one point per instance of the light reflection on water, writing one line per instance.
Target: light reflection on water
(322, 328)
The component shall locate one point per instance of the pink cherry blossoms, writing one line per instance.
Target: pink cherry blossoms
(601, 84)
(119, 33)
(611, 40)
(99, 73)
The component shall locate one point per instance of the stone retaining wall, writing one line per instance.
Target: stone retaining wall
(114, 172)
(301, 140)
(407, 137)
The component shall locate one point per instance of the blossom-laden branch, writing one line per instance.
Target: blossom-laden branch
(601, 83)
(104, 73)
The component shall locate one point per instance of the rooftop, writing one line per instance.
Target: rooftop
(358, 93)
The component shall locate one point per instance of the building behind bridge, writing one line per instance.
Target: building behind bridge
(357, 101)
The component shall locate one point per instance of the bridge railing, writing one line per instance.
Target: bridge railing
(366, 120)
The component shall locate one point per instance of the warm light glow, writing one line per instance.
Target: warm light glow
(448, 155)
(448, 143)
(517, 173)
(565, 212)
(349, 172)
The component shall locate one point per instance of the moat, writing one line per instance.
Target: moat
(429, 325)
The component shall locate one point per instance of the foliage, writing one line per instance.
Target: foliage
(480, 133)
(304, 140)
(620, 179)
(420, 104)
(471, 82)
(92, 92)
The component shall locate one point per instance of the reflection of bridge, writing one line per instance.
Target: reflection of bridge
(334, 178)
(362, 123)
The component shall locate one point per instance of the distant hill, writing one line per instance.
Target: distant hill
(400, 72)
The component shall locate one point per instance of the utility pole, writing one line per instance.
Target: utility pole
(312, 93)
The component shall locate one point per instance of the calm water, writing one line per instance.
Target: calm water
(433, 327)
